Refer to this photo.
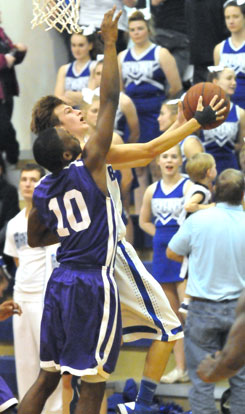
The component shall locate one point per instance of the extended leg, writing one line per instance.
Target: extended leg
(91, 396)
(34, 400)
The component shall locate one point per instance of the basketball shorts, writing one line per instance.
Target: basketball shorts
(146, 312)
(81, 323)
(7, 398)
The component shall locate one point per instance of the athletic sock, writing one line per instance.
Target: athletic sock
(146, 391)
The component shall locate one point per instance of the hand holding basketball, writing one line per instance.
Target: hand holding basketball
(206, 94)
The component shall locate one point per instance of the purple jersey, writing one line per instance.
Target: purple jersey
(72, 206)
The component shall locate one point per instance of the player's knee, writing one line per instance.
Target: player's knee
(93, 379)
(48, 380)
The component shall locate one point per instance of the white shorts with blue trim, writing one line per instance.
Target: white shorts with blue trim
(146, 312)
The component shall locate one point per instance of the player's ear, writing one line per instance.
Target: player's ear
(67, 155)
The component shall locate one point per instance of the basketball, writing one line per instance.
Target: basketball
(207, 90)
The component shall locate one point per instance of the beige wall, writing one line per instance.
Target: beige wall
(37, 73)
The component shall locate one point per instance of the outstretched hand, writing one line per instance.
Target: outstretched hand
(109, 26)
(9, 308)
(210, 113)
(216, 106)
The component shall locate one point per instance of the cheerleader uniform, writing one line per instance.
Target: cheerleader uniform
(234, 58)
(144, 82)
(220, 141)
(75, 81)
(167, 211)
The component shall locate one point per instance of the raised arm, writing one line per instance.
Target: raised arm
(95, 150)
(226, 363)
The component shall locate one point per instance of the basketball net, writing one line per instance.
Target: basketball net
(57, 14)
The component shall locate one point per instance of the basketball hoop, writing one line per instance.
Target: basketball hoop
(58, 14)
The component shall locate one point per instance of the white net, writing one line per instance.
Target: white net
(57, 14)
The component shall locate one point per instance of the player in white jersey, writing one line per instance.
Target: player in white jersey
(136, 286)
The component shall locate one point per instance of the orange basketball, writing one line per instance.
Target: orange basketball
(207, 90)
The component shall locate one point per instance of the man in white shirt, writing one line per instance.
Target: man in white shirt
(33, 268)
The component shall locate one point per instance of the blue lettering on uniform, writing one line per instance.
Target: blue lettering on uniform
(111, 173)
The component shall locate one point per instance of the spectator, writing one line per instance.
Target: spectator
(191, 144)
(33, 268)
(226, 140)
(205, 28)
(170, 30)
(201, 169)
(73, 77)
(225, 363)
(126, 121)
(164, 202)
(231, 51)
(92, 12)
(7, 399)
(10, 55)
(145, 71)
(214, 239)
(9, 207)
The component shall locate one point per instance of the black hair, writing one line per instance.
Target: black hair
(234, 3)
(48, 150)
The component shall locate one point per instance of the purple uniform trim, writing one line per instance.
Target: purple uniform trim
(7, 398)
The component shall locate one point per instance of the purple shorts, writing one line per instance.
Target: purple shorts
(81, 323)
(7, 398)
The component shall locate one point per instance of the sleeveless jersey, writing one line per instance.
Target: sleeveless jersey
(142, 75)
(120, 122)
(223, 137)
(235, 58)
(77, 81)
(167, 208)
(114, 190)
(73, 207)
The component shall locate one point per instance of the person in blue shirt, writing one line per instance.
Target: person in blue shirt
(214, 240)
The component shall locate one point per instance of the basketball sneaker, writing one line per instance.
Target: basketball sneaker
(176, 375)
(135, 408)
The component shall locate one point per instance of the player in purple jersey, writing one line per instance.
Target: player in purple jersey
(81, 324)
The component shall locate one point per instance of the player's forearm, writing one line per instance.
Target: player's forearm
(219, 370)
(110, 85)
(136, 152)
(170, 138)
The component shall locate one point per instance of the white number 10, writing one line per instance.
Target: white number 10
(76, 226)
